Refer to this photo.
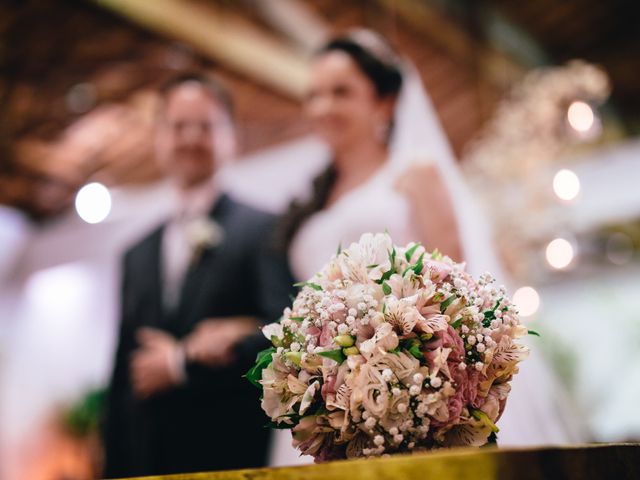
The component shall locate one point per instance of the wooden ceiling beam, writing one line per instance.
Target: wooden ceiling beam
(296, 20)
(497, 66)
(224, 37)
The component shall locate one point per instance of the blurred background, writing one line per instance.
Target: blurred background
(540, 101)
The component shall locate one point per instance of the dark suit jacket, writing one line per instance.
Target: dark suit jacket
(214, 420)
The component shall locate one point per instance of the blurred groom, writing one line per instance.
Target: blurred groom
(193, 294)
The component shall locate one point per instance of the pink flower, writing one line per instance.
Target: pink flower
(448, 338)
(328, 386)
(438, 271)
(326, 336)
(313, 331)
(338, 315)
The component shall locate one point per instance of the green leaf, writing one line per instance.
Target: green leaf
(436, 255)
(83, 418)
(444, 305)
(392, 258)
(297, 319)
(339, 250)
(386, 276)
(315, 286)
(335, 355)
(373, 266)
(533, 332)
(489, 316)
(417, 268)
(492, 440)
(415, 351)
(409, 253)
(263, 359)
(413, 346)
(386, 288)
(457, 323)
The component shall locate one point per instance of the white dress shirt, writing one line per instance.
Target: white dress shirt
(177, 250)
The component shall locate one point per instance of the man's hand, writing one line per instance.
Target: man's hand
(212, 342)
(154, 364)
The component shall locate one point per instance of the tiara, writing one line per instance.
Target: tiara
(374, 44)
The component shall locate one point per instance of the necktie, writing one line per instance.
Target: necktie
(176, 259)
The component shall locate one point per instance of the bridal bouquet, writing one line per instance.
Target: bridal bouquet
(390, 349)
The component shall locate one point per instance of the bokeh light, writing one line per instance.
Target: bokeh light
(93, 203)
(580, 116)
(566, 184)
(559, 253)
(619, 248)
(527, 300)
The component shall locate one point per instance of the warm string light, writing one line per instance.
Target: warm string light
(559, 253)
(580, 116)
(566, 185)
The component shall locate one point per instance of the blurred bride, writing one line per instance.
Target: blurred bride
(392, 169)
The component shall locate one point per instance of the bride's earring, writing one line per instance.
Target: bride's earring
(382, 131)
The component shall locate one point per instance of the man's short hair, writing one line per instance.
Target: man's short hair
(212, 86)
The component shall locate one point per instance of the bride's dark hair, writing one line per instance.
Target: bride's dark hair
(373, 56)
(380, 64)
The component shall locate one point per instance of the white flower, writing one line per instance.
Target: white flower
(273, 330)
(366, 260)
(307, 398)
(384, 339)
(402, 314)
(203, 233)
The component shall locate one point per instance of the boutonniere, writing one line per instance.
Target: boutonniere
(203, 233)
